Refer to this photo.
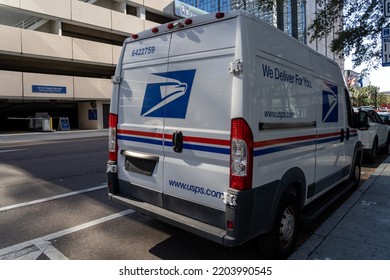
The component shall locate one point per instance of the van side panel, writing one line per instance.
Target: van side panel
(284, 131)
(331, 125)
(283, 96)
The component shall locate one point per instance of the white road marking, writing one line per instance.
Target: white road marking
(13, 150)
(53, 254)
(9, 207)
(32, 249)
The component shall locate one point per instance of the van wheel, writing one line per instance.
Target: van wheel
(280, 241)
(374, 151)
(385, 148)
(355, 175)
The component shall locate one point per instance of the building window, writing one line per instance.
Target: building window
(210, 5)
(287, 15)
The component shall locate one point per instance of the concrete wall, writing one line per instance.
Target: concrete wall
(92, 88)
(90, 14)
(56, 8)
(10, 39)
(86, 113)
(27, 42)
(44, 86)
(87, 14)
(157, 5)
(45, 44)
(84, 121)
(11, 84)
(92, 51)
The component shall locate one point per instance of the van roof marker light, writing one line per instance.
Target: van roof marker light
(155, 30)
(134, 36)
(170, 25)
(188, 21)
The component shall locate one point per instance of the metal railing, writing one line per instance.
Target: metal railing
(28, 22)
(31, 21)
(88, 1)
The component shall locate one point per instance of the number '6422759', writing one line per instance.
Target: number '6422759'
(143, 51)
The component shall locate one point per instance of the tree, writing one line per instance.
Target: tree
(360, 22)
(383, 100)
(360, 33)
(365, 96)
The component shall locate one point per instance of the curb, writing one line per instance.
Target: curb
(57, 135)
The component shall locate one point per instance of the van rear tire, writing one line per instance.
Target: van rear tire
(356, 172)
(280, 241)
(373, 152)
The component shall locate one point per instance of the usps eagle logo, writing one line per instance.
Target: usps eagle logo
(169, 96)
(330, 105)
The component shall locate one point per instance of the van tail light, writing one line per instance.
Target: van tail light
(112, 140)
(241, 155)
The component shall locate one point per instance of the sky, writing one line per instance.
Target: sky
(379, 78)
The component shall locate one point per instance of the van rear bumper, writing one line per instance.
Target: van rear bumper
(196, 227)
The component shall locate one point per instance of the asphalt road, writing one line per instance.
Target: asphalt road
(53, 205)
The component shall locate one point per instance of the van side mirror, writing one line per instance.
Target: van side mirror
(362, 120)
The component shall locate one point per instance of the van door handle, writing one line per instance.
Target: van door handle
(347, 137)
(342, 135)
(177, 141)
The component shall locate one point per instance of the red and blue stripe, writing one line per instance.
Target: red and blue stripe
(222, 146)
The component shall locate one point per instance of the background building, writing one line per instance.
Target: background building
(58, 56)
(355, 79)
(210, 6)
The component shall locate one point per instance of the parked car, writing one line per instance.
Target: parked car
(385, 116)
(376, 137)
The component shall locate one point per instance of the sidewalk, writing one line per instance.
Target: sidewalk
(359, 229)
(18, 137)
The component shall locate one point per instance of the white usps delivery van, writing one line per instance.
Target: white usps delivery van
(226, 127)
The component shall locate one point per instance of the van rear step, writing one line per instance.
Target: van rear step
(321, 205)
(188, 224)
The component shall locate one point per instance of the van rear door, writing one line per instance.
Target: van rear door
(141, 133)
(174, 120)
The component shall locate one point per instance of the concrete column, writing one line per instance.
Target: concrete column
(120, 7)
(141, 13)
(56, 27)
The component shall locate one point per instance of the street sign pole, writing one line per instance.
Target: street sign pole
(386, 36)
(386, 8)
(386, 46)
